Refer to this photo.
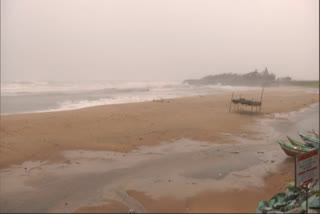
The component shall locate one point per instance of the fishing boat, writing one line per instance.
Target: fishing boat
(297, 143)
(291, 150)
(307, 138)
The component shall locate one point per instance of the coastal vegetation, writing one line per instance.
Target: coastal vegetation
(254, 78)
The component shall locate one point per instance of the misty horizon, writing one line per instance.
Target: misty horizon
(82, 40)
(158, 106)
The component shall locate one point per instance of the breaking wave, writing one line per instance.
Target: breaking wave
(26, 97)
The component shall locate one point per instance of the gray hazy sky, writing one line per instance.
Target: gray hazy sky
(157, 39)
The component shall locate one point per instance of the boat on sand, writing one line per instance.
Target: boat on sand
(299, 144)
(292, 151)
(312, 140)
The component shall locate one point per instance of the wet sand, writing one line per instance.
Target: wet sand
(182, 171)
(162, 156)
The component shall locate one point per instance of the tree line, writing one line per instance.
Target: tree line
(254, 78)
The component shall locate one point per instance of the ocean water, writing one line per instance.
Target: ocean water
(28, 97)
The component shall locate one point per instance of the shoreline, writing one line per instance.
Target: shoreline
(127, 128)
(310, 90)
(124, 127)
(232, 200)
(24, 103)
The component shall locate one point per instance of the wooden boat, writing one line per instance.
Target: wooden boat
(315, 141)
(297, 143)
(290, 150)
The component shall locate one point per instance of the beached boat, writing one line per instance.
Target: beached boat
(297, 143)
(304, 145)
(291, 150)
(309, 139)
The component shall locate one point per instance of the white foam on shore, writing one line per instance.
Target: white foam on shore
(26, 97)
(15, 88)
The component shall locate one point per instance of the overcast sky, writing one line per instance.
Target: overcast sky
(157, 39)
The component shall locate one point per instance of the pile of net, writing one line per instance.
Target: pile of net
(293, 200)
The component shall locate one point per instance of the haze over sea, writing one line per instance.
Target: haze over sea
(44, 96)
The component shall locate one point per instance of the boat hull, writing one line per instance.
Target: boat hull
(297, 143)
(312, 140)
(291, 151)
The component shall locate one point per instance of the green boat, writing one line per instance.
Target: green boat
(290, 150)
(308, 138)
(297, 143)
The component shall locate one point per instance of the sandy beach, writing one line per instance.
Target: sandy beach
(175, 155)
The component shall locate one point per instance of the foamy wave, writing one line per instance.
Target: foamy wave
(70, 105)
(21, 88)
(159, 91)
(60, 96)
